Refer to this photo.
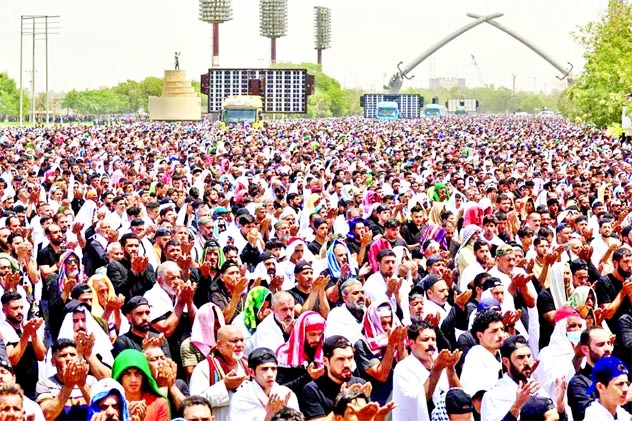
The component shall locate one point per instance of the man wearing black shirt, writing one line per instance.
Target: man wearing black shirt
(594, 343)
(309, 293)
(413, 230)
(138, 314)
(319, 395)
(48, 257)
(614, 290)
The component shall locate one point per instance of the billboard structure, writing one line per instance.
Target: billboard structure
(409, 105)
(283, 91)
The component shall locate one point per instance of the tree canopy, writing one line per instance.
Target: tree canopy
(600, 92)
(10, 97)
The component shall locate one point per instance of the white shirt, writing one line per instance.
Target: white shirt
(217, 394)
(268, 334)
(480, 370)
(597, 412)
(409, 393)
(498, 401)
(340, 321)
(248, 403)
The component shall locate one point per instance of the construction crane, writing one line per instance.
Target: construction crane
(481, 80)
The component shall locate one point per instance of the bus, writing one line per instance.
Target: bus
(435, 111)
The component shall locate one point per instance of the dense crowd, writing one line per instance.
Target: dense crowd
(463, 268)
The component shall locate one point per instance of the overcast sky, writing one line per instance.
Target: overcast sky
(103, 43)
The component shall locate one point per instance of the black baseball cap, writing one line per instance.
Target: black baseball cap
(261, 356)
(301, 266)
(511, 344)
(535, 408)
(334, 342)
(458, 402)
(134, 302)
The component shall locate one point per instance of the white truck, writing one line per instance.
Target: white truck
(462, 106)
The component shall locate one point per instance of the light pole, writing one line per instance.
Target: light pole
(273, 22)
(322, 31)
(215, 12)
(39, 27)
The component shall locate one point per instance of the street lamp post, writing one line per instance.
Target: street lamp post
(322, 31)
(273, 22)
(215, 12)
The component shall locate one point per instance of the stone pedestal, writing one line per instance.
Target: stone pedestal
(178, 101)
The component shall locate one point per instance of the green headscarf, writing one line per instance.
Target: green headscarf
(580, 295)
(15, 266)
(254, 302)
(136, 359)
(212, 245)
(438, 186)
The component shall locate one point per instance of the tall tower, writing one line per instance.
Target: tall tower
(273, 22)
(322, 31)
(215, 12)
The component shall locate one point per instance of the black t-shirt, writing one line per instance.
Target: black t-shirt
(314, 247)
(130, 340)
(300, 298)
(26, 370)
(607, 289)
(545, 304)
(47, 256)
(319, 396)
(365, 359)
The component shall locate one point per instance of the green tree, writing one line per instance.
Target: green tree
(599, 93)
(10, 97)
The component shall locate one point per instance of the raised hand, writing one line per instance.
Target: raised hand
(150, 341)
(525, 391)
(137, 409)
(85, 343)
(443, 360)
(392, 286)
(205, 269)
(320, 283)
(511, 317)
(366, 412)
(139, 264)
(187, 290)
(232, 380)
(276, 283)
(115, 303)
(315, 372)
(345, 270)
(367, 238)
(463, 298)
(275, 403)
(560, 391)
(77, 227)
(433, 319)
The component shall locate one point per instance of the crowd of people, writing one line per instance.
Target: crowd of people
(463, 268)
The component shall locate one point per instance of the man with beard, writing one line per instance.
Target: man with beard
(131, 275)
(48, 257)
(23, 341)
(513, 390)
(413, 230)
(595, 343)
(139, 336)
(218, 377)
(301, 357)
(424, 366)
(317, 400)
(615, 289)
(347, 319)
(384, 285)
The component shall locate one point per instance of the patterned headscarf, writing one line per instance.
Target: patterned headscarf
(377, 246)
(292, 353)
(254, 301)
(97, 310)
(61, 279)
(375, 335)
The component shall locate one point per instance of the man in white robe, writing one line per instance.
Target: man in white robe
(346, 320)
(275, 329)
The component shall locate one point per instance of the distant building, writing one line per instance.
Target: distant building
(447, 82)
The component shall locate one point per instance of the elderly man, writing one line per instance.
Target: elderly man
(172, 308)
(95, 255)
(275, 329)
(346, 320)
(225, 369)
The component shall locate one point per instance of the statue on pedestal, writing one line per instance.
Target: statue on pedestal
(177, 60)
